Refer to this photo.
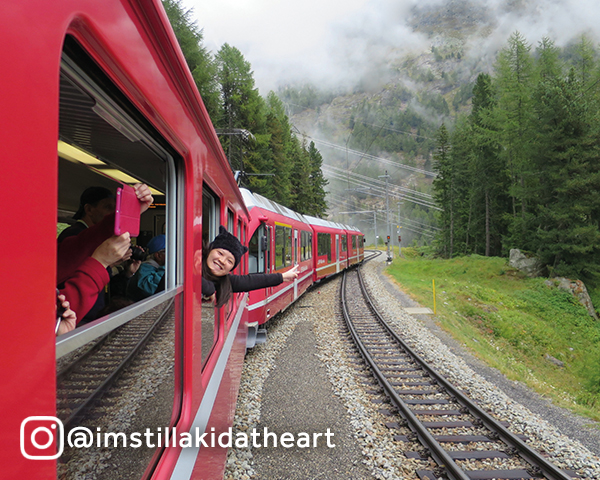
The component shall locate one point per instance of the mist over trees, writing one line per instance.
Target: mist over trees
(522, 170)
(255, 133)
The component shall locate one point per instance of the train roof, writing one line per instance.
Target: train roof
(255, 200)
(326, 223)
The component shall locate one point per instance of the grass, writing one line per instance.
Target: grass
(519, 325)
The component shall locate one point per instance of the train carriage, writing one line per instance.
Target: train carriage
(279, 239)
(356, 251)
(330, 257)
(98, 93)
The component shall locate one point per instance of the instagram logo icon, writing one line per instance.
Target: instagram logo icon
(42, 438)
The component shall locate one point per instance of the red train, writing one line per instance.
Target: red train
(281, 238)
(94, 94)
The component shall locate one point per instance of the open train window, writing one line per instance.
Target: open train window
(105, 142)
(210, 229)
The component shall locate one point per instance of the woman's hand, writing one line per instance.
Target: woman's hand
(112, 250)
(144, 195)
(291, 274)
(68, 319)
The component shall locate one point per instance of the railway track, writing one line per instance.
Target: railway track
(465, 442)
(87, 378)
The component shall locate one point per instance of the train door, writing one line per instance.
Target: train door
(270, 240)
(337, 253)
(296, 261)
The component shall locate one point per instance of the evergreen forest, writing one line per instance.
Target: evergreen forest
(522, 169)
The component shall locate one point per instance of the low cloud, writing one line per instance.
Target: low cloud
(338, 43)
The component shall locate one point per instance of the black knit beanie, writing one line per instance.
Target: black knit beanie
(227, 241)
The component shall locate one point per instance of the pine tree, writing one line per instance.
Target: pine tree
(488, 171)
(568, 234)
(243, 107)
(302, 190)
(318, 205)
(514, 122)
(444, 190)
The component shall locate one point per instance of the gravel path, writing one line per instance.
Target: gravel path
(287, 385)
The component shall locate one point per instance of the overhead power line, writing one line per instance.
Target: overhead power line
(372, 185)
(371, 157)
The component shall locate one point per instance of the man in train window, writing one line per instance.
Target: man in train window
(150, 277)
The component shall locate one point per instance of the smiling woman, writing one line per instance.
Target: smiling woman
(220, 258)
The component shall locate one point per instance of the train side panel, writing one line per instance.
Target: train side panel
(146, 70)
(328, 254)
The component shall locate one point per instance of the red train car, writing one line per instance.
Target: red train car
(279, 239)
(356, 242)
(97, 93)
(329, 252)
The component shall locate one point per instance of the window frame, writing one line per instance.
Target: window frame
(174, 196)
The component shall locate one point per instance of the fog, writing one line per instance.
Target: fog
(338, 43)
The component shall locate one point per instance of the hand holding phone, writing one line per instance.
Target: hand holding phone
(127, 212)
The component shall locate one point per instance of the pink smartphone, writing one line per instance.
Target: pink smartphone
(127, 212)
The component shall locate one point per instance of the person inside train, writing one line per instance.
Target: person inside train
(82, 288)
(66, 318)
(94, 204)
(95, 226)
(149, 279)
(220, 258)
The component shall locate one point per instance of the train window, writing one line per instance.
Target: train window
(296, 247)
(210, 229)
(353, 242)
(257, 251)
(288, 246)
(239, 235)
(324, 245)
(230, 221)
(306, 244)
(344, 243)
(105, 142)
(210, 215)
(283, 246)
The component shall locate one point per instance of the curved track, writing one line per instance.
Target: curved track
(466, 442)
(91, 373)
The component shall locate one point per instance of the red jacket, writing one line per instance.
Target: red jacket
(73, 251)
(82, 288)
(84, 277)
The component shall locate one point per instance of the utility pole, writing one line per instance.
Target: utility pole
(398, 231)
(375, 227)
(387, 216)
